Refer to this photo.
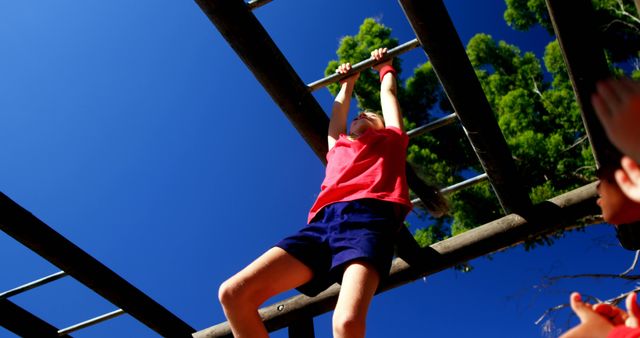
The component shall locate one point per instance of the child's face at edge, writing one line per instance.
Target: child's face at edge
(364, 121)
(616, 207)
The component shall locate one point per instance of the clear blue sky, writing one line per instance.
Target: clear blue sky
(134, 130)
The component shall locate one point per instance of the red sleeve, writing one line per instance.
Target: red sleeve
(622, 331)
(395, 130)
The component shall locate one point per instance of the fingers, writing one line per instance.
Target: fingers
(601, 108)
(378, 54)
(627, 87)
(631, 168)
(344, 68)
(628, 178)
(634, 311)
(612, 313)
(607, 98)
(621, 87)
(623, 180)
(581, 309)
(591, 324)
(612, 94)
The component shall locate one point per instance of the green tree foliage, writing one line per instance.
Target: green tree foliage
(616, 20)
(539, 119)
(524, 14)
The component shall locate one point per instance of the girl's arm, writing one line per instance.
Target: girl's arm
(340, 110)
(388, 91)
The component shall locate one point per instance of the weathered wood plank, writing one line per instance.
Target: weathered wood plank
(544, 218)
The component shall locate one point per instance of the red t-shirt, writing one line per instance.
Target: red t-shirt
(622, 331)
(371, 166)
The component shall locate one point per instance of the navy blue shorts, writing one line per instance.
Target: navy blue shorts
(343, 232)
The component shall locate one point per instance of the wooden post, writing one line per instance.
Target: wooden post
(438, 37)
(302, 328)
(586, 64)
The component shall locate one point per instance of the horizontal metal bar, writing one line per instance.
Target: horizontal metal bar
(441, 122)
(32, 285)
(460, 185)
(362, 65)
(91, 322)
(466, 183)
(560, 212)
(257, 3)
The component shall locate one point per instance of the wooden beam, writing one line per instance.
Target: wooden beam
(547, 217)
(438, 37)
(586, 65)
(254, 46)
(41, 239)
(23, 323)
(302, 328)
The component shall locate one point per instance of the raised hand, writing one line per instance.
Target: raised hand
(628, 178)
(344, 69)
(617, 104)
(592, 325)
(379, 54)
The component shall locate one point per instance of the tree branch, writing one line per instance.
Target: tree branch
(576, 143)
(624, 12)
(633, 265)
(614, 301)
(596, 275)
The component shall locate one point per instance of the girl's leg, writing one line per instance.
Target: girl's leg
(274, 272)
(359, 284)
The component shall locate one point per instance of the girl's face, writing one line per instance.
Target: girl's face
(616, 207)
(364, 121)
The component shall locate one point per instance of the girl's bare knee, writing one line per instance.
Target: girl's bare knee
(226, 293)
(233, 293)
(348, 324)
(239, 293)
